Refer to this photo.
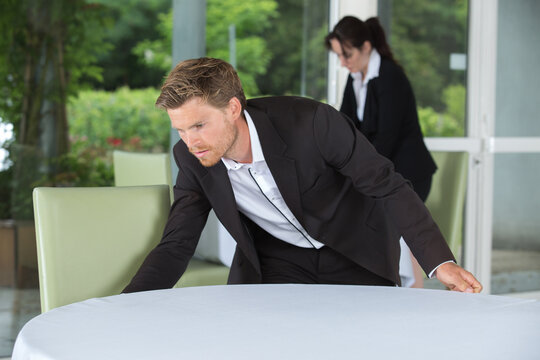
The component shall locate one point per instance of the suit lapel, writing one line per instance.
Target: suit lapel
(371, 110)
(217, 182)
(283, 169)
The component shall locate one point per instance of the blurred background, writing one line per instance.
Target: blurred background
(79, 78)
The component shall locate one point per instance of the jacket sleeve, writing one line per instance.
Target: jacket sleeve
(168, 260)
(350, 153)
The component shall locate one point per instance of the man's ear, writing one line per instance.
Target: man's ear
(235, 107)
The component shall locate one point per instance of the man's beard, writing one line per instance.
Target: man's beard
(221, 149)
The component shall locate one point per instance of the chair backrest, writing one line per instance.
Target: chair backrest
(134, 169)
(215, 244)
(91, 241)
(446, 199)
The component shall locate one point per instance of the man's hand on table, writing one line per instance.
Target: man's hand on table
(457, 279)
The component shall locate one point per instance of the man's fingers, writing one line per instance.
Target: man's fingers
(474, 284)
(462, 286)
(477, 287)
(458, 279)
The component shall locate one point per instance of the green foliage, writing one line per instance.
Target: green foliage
(423, 35)
(296, 40)
(317, 65)
(449, 123)
(11, 62)
(133, 21)
(123, 119)
(157, 54)
(26, 174)
(83, 166)
(270, 54)
(454, 97)
(49, 51)
(102, 121)
(250, 18)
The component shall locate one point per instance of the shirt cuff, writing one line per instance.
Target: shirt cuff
(433, 271)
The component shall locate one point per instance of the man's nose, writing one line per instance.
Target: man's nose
(343, 61)
(190, 139)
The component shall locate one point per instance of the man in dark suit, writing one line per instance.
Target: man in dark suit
(303, 193)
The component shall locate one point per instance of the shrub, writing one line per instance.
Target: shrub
(101, 121)
(449, 123)
(124, 119)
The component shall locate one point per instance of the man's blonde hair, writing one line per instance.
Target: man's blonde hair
(213, 80)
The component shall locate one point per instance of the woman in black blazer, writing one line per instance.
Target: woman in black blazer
(379, 99)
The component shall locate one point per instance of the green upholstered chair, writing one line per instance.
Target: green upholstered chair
(91, 241)
(132, 168)
(446, 199)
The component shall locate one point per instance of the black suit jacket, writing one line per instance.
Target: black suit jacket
(339, 188)
(391, 122)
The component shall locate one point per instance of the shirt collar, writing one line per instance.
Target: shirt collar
(256, 150)
(373, 66)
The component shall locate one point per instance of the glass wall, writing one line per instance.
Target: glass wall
(516, 226)
(429, 39)
(515, 264)
(276, 45)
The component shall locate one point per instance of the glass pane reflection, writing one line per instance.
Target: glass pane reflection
(516, 225)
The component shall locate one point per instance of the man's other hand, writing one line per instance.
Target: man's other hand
(457, 279)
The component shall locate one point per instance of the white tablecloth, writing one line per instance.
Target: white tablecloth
(286, 322)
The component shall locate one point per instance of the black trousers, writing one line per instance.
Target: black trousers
(282, 263)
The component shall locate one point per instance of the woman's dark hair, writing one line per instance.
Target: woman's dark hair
(351, 31)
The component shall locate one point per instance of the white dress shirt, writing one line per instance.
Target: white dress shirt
(258, 197)
(360, 84)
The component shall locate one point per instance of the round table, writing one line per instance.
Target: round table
(286, 322)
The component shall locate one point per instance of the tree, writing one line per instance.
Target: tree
(296, 40)
(250, 18)
(423, 35)
(133, 21)
(48, 50)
